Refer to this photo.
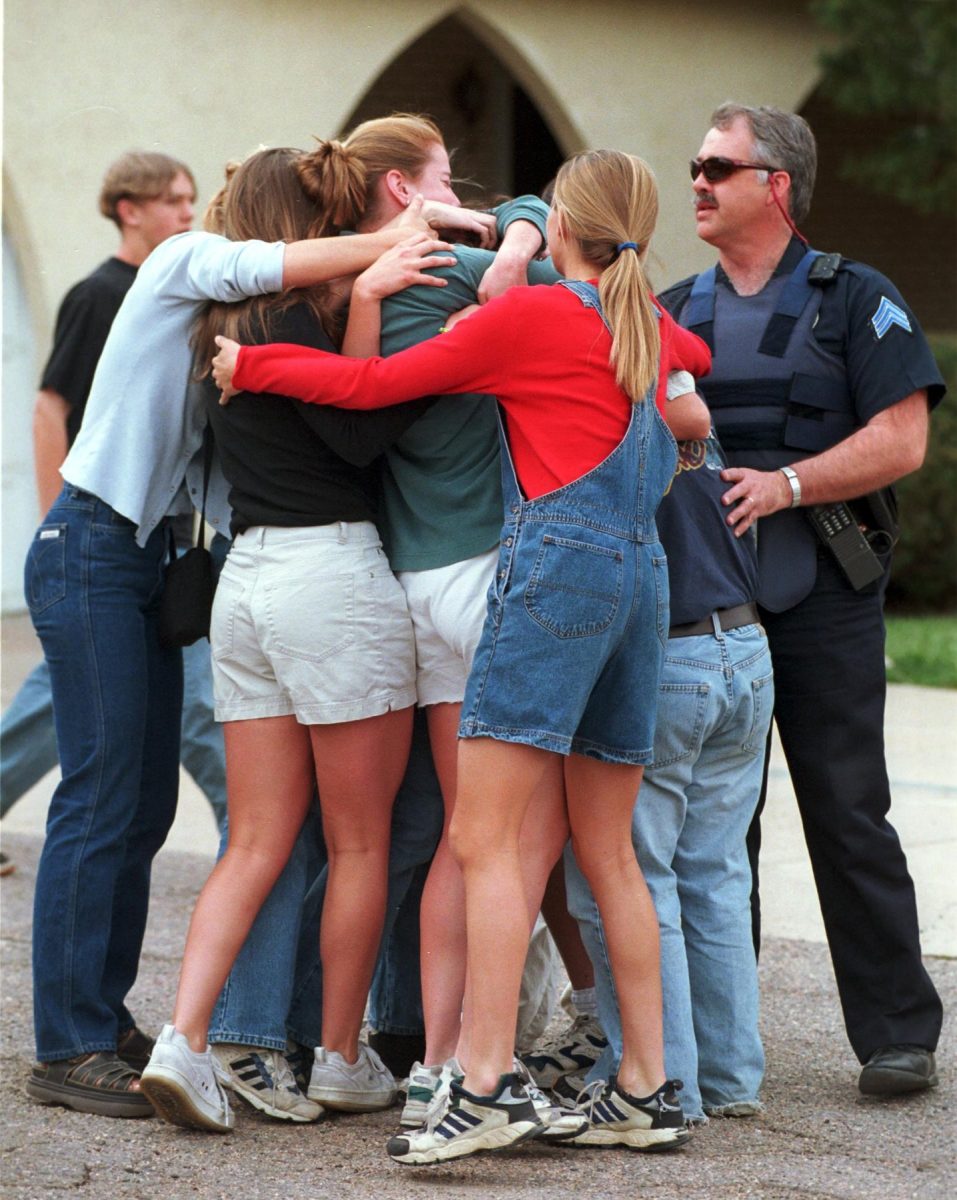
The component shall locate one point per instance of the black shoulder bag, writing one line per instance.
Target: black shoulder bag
(188, 590)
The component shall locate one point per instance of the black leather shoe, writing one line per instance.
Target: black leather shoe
(894, 1070)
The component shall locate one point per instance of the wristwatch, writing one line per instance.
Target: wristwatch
(791, 476)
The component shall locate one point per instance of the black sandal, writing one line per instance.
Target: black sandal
(134, 1047)
(91, 1083)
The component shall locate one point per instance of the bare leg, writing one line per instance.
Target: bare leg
(496, 782)
(269, 783)
(442, 913)
(541, 841)
(359, 766)
(601, 798)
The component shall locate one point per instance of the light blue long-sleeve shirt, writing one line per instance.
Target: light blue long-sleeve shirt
(140, 446)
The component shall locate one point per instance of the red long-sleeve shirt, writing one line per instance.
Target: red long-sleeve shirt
(539, 350)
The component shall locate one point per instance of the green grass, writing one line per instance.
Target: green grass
(922, 650)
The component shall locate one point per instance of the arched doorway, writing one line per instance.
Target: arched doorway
(502, 143)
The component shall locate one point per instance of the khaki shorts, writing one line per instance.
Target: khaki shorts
(448, 606)
(310, 623)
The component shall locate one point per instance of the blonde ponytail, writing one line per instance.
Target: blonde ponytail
(609, 203)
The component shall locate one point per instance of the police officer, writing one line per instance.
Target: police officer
(820, 392)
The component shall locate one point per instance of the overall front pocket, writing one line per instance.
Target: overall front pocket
(575, 587)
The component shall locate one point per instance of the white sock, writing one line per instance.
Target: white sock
(585, 1001)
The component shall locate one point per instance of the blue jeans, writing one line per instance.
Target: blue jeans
(28, 748)
(689, 827)
(93, 597)
(275, 986)
(27, 738)
(395, 999)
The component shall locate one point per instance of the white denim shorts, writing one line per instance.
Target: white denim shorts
(310, 623)
(448, 607)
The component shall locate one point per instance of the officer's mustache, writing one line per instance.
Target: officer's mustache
(705, 200)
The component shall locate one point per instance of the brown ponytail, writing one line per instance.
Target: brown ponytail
(334, 179)
(263, 198)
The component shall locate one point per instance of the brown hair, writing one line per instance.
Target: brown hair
(263, 199)
(342, 176)
(139, 175)
(605, 198)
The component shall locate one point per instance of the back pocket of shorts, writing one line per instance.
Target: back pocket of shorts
(45, 571)
(575, 587)
(312, 617)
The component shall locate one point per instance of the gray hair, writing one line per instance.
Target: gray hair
(781, 139)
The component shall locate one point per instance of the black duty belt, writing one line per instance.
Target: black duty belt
(722, 618)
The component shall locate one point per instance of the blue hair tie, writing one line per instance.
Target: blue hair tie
(627, 246)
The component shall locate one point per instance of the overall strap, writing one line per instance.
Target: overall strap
(587, 293)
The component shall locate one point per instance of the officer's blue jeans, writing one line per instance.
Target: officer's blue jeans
(94, 595)
(689, 828)
(275, 986)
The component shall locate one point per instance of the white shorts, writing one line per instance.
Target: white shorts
(310, 623)
(448, 606)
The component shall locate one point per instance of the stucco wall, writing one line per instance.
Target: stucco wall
(87, 80)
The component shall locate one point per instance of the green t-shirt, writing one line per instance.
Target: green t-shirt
(441, 481)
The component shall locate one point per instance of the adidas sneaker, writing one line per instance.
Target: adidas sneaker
(616, 1118)
(468, 1124)
(265, 1080)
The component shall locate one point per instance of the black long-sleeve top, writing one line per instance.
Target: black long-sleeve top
(295, 464)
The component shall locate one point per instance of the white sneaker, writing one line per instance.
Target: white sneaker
(467, 1124)
(450, 1072)
(573, 1051)
(419, 1090)
(561, 1117)
(265, 1080)
(616, 1118)
(182, 1085)
(366, 1085)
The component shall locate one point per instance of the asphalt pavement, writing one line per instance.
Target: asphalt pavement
(818, 1138)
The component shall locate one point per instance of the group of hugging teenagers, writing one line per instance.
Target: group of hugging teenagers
(448, 446)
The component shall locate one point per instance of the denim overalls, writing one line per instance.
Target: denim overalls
(572, 648)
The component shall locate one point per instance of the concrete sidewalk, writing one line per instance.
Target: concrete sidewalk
(817, 1140)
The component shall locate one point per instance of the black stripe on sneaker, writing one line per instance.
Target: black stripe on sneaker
(606, 1111)
(464, 1116)
(252, 1071)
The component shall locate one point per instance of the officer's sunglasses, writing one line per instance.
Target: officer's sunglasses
(716, 168)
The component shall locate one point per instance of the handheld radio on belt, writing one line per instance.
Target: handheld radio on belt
(837, 528)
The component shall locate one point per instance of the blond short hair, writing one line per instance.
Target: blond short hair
(139, 175)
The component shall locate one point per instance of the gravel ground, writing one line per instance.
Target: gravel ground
(817, 1140)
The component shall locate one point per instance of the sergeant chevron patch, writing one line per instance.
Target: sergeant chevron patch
(888, 314)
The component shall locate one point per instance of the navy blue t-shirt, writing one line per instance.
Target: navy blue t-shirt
(708, 567)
